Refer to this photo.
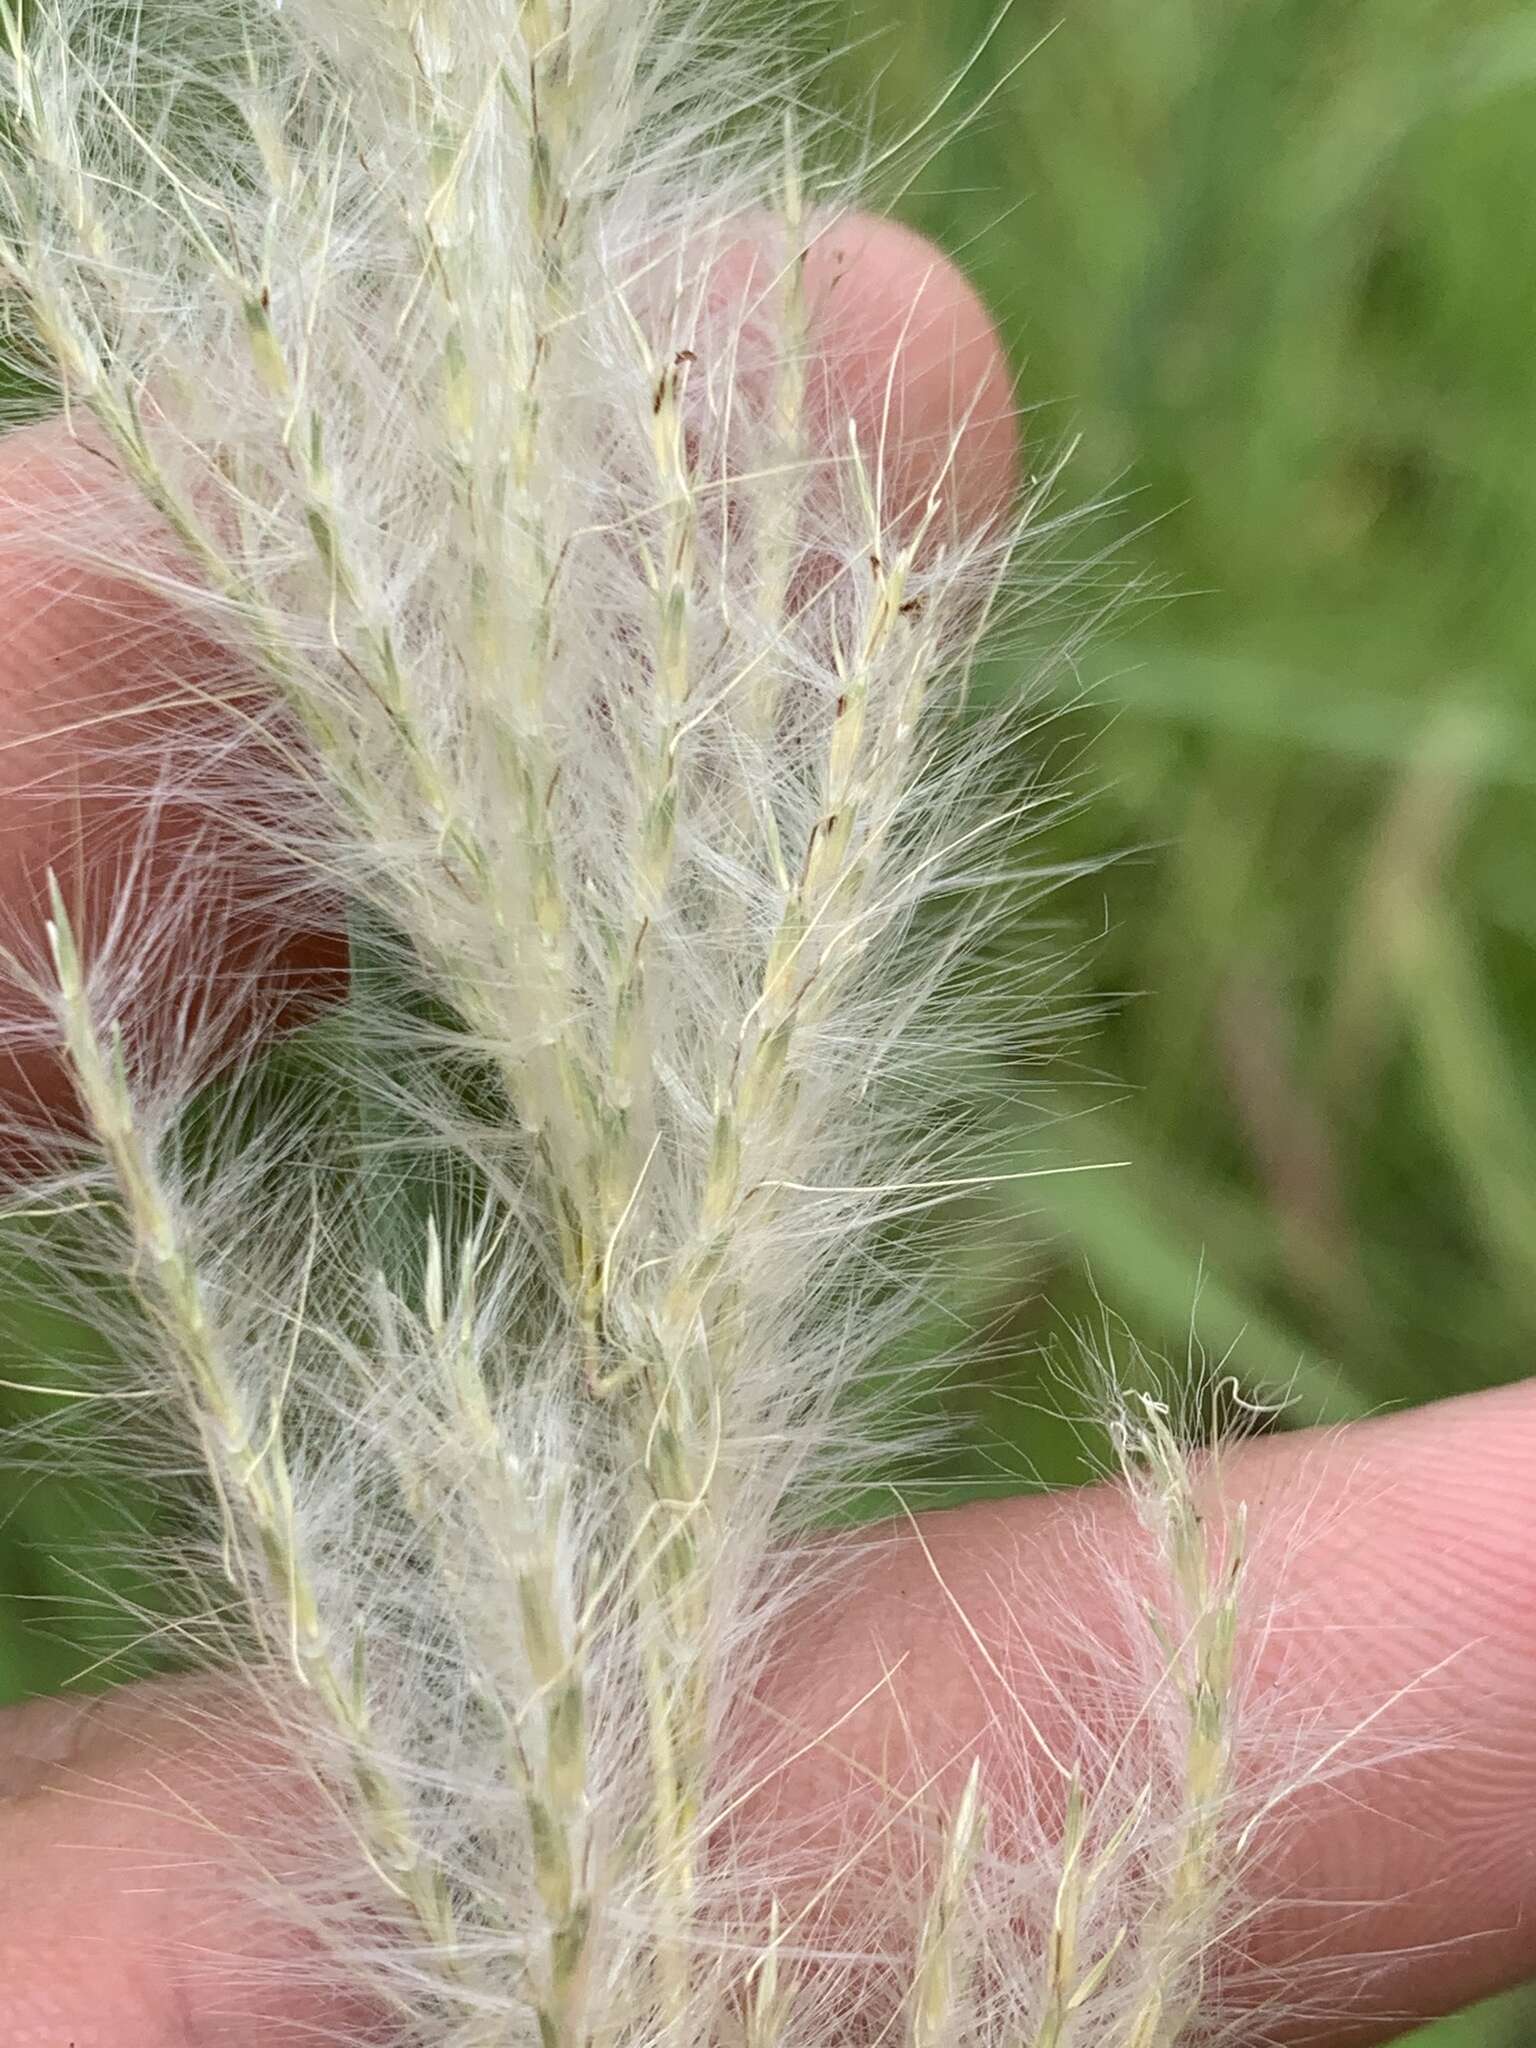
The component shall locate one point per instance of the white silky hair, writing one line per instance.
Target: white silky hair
(451, 370)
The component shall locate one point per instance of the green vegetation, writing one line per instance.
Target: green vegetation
(1274, 263)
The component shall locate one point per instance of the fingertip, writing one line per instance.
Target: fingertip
(919, 364)
(1411, 1588)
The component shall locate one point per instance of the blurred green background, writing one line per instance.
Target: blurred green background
(1274, 262)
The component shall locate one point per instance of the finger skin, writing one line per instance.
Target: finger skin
(1432, 1558)
(880, 296)
(1398, 1558)
(99, 681)
(129, 1919)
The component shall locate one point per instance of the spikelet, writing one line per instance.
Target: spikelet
(448, 369)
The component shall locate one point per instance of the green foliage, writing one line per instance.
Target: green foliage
(1272, 264)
